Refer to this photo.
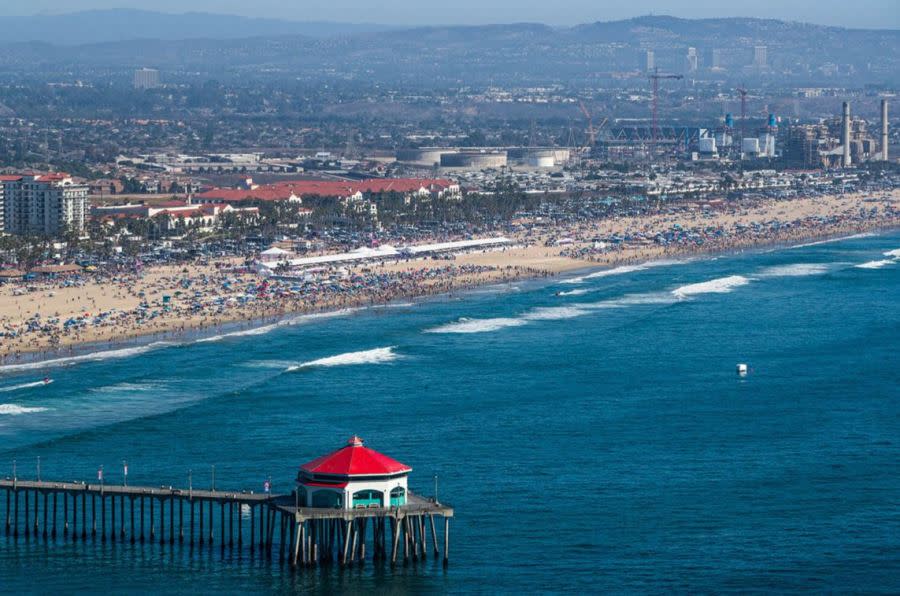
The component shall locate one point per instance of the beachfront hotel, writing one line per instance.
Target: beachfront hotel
(353, 477)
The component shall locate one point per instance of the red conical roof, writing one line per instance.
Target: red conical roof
(354, 459)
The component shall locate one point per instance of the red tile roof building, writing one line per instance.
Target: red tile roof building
(297, 189)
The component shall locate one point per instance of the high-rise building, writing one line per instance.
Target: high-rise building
(716, 59)
(693, 60)
(2, 206)
(146, 78)
(760, 57)
(650, 60)
(47, 205)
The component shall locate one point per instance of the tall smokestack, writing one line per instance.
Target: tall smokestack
(884, 130)
(845, 134)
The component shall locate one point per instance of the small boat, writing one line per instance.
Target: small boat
(47, 380)
(742, 370)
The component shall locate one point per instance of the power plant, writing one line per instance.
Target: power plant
(838, 142)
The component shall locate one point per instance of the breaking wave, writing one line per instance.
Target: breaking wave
(795, 270)
(16, 410)
(376, 356)
(876, 264)
(465, 325)
(621, 270)
(831, 240)
(92, 357)
(263, 329)
(633, 300)
(554, 313)
(722, 285)
(577, 292)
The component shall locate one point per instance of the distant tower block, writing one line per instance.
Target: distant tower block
(146, 78)
(845, 135)
(760, 57)
(693, 60)
(885, 141)
(650, 60)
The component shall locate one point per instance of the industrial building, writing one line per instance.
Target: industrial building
(43, 204)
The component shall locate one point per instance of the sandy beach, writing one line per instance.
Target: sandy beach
(49, 317)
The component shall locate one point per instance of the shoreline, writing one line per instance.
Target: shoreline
(86, 350)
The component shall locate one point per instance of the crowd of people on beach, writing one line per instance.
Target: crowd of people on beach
(172, 304)
(122, 302)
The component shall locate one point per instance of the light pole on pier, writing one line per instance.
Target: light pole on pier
(124, 473)
(435, 489)
(191, 484)
(39, 468)
(15, 477)
(214, 477)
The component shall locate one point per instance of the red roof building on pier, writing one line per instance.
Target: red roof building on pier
(353, 476)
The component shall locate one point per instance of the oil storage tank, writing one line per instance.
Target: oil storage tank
(475, 160)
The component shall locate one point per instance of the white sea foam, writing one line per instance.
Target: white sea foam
(722, 285)
(831, 240)
(876, 264)
(795, 270)
(554, 313)
(376, 356)
(16, 410)
(633, 300)
(264, 329)
(92, 357)
(23, 386)
(893, 253)
(577, 292)
(126, 387)
(622, 270)
(479, 325)
(269, 364)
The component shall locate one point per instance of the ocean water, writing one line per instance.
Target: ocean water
(590, 432)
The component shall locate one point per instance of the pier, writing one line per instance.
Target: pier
(273, 526)
(347, 505)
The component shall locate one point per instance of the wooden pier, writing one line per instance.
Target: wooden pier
(265, 524)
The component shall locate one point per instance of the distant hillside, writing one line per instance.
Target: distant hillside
(100, 26)
(590, 54)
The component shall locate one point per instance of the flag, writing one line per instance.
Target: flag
(266, 486)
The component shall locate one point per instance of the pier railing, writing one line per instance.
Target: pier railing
(264, 523)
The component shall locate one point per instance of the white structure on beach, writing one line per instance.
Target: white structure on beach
(390, 252)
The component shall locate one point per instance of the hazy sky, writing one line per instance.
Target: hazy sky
(850, 13)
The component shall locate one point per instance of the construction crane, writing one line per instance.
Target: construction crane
(743, 92)
(655, 77)
(592, 134)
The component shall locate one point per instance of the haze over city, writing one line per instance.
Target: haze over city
(879, 14)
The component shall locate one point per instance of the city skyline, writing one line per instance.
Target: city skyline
(876, 14)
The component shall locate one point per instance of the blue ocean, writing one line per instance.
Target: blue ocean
(590, 431)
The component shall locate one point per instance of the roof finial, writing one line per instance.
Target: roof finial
(355, 441)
